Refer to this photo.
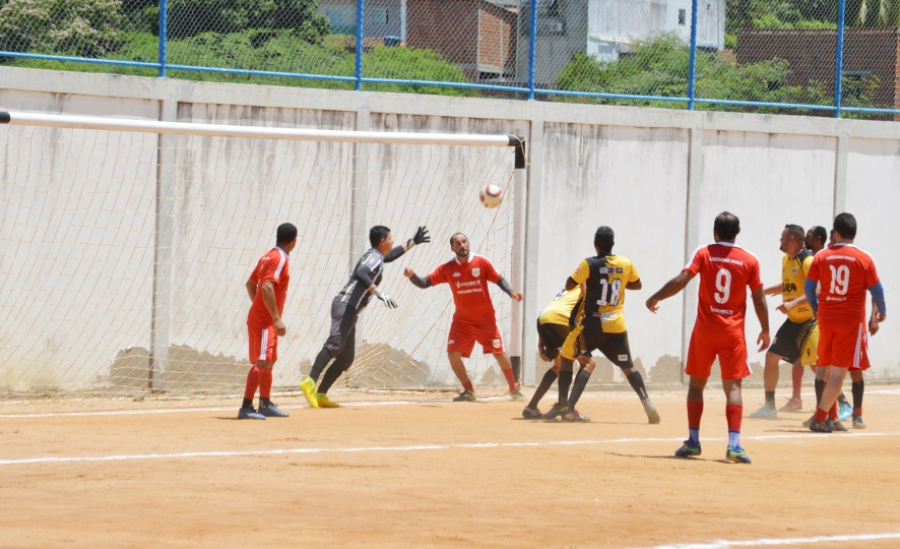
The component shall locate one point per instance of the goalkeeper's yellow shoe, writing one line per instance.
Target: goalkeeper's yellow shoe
(325, 402)
(308, 386)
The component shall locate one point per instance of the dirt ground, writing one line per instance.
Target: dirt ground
(403, 470)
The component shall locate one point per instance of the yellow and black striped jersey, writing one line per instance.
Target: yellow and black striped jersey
(559, 310)
(606, 278)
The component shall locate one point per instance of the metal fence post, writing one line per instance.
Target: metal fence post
(692, 67)
(839, 60)
(360, 17)
(532, 45)
(163, 31)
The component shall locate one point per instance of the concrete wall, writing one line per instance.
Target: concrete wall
(657, 177)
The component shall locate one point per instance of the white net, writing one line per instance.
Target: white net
(122, 273)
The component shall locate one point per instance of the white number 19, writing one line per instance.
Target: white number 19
(840, 279)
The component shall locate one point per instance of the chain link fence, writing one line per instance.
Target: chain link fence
(777, 56)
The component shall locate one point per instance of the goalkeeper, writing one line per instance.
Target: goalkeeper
(345, 309)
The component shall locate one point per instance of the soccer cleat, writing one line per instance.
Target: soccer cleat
(737, 455)
(837, 426)
(531, 413)
(517, 395)
(794, 404)
(809, 421)
(249, 413)
(574, 416)
(308, 386)
(557, 410)
(687, 450)
(858, 422)
(766, 412)
(652, 414)
(325, 402)
(845, 411)
(272, 411)
(465, 396)
(817, 427)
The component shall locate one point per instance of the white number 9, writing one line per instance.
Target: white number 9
(723, 285)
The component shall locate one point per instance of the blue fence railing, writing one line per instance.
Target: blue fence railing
(645, 52)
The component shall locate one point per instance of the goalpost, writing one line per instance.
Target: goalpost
(113, 234)
(127, 243)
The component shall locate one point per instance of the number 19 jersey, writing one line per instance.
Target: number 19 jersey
(845, 272)
(725, 272)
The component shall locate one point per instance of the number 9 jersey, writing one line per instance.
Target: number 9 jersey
(606, 278)
(725, 272)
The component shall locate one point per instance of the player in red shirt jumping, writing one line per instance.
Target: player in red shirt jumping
(845, 273)
(267, 287)
(474, 319)
(725, 272)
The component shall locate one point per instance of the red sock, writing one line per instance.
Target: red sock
(695, 412)
(733, 415)
(467, 385)
(252, 382)
(857, 411)
(265, 382)
(513, 386)
(832, 412)
(797, 381)
(821, 415)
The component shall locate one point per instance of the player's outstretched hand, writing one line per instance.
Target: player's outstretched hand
(422, 236)
(388, 302)
(763, 341)
(653, 305)
(517, 296)
(409, 273)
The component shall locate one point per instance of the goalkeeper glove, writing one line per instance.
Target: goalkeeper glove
(388, 302)
(421, 236)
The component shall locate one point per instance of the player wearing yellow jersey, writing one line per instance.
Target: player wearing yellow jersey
(798, 336)
(606, 277)
(553, 326)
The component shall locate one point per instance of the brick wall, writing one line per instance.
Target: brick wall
(449, 27)
(811, 55)
(498, 37)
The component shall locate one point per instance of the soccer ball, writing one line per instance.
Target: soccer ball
(491, 196)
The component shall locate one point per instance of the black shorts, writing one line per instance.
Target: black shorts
(552, 338)
(590, 337)
(790, 339)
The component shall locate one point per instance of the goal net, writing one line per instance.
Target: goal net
(127, 246)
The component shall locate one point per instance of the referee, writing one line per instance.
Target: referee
(345, 309)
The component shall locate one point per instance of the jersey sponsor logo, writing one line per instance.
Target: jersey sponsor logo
(620, 270)
(721, 311)
(472, 283)
(457, 274)
(496, 344)
(476, 272)
(789, 287)
(715, 259)
(623, 358)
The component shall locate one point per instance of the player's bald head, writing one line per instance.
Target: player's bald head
(453, 238)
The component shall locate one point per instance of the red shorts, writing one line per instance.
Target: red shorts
(730, 347)
(845, 345)
(464, 334)
(263, 343)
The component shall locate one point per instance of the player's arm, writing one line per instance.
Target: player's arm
(505, 286)
(877, 291)
(792, 304)
(418, 281)
(774, 289)
(364, 274)
(268, 295)
(762, 313)
(669, 289)
(812, 295)
(635, 285)
(420, 238)
(251, 289)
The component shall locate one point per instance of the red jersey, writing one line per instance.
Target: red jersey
(725, 272)
(845, 273)
(272, 266)
(468, 282)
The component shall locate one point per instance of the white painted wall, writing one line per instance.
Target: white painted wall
(657, 177)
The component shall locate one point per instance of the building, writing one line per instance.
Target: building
(812, 57)
(383, 17)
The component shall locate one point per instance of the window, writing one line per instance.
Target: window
(380, 16)
(682, 17)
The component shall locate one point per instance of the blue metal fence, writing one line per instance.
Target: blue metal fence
(567, 80)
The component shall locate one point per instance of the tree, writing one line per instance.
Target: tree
(87, 28)
(872, 13)
(193, 17)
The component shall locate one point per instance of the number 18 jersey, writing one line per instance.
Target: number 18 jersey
(845, 272)
(606, 278)
(725, 272)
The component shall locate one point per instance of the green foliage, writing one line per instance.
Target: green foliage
(189, 18)
(87, 28)
(412, 64)
(660, 68)
(780, 14)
